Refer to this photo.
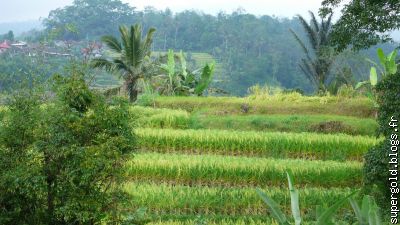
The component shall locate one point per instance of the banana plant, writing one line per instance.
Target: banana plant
(324, 216)
(388, 67)
(368, 213)
(184, 81)
(169, 68)
(205, 79)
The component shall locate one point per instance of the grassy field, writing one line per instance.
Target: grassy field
(262, 144)
(281, 104)
(240, 171)
(242, 201)
(180, 119)
(200, 160)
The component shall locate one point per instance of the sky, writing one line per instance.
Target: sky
(23, 10)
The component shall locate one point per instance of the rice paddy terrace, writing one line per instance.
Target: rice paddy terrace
(200, 160)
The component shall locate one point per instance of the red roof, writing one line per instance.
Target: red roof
(4, 45)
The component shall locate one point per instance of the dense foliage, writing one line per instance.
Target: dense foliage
(376, 165)
(62, 159)
(363, 23)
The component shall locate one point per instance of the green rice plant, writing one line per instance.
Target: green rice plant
(280, 104)
(241, 171)
(274, 144)
(161, 199)
(283, 123)
(160, 118)
(221, 222)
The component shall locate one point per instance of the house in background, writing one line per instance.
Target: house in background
(4, 47)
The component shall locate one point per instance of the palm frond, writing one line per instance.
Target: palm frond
(311, 34)
(102, 63)
(314, 21)
(112, 43)
(301, 43)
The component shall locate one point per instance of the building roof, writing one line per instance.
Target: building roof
(4, 45)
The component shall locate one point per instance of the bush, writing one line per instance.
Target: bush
(62, 163)
(377, 159)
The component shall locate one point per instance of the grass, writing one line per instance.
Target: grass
(285, 123)
(273, 144)
(160, 118)
(161, 199)
(280, 104)
(210, 221)
(241, 171)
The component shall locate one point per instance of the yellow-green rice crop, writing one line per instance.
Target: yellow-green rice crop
(274, 144)
(160, 118)
(162, 199)
(194, 221)
(357, 107)
(241, 171)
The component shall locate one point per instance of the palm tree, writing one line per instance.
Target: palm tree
(319, 54)
(127, 56)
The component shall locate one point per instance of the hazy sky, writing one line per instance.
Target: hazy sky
(21, 10)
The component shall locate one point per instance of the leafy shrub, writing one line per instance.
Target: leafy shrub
(376, 160)
(389, 102)
(63, 163)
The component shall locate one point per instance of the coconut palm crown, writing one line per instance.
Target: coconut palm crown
(127, 56)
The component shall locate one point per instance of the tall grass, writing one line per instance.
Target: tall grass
(279, 145)
(160, 118)
(163, 199)
(284, 104)
(241, 171)
(227, 221)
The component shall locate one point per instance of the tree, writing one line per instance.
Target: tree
(90, 18)
(9, 36)
(319, 56)
(62, 160)
(363, 23)
(127, 56)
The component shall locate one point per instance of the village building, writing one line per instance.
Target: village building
(4, 46)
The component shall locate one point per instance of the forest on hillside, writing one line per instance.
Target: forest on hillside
(248, 49)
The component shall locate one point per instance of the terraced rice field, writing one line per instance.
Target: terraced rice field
(209, 175)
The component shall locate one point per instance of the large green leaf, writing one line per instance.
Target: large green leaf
(294, 197)
(183, 63)
(381, 56)
(361, 84)
(327, 215)
(373, 76)
(276, 211)
(205, 79)
(357, 211)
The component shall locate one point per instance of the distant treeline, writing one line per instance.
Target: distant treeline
(251, 49)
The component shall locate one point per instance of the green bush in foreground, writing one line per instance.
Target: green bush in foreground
(376, 170)
(274, 144)
(63, 163)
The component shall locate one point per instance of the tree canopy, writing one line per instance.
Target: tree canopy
(363, 23)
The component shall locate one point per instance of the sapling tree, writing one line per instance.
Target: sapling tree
(62, 158)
